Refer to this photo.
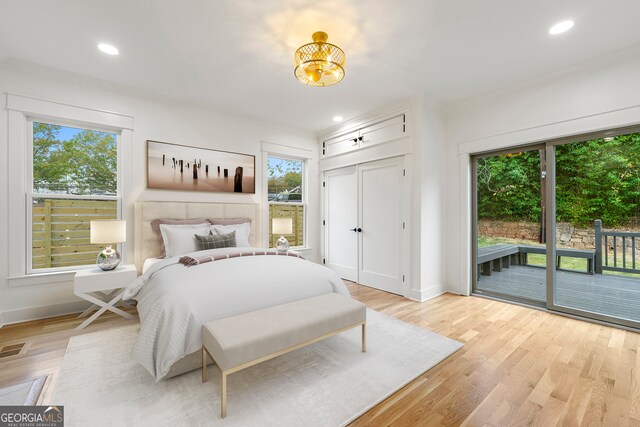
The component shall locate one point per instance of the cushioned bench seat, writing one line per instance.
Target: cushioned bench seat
(238, 342)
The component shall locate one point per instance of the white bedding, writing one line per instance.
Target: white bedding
(149, 262)
(174, 301)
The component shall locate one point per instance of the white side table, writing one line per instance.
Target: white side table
(104, 289)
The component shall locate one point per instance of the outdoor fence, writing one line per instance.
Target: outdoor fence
(296, 213)
(60, 229)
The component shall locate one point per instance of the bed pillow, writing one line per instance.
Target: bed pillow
(215, 241)
(243, 231)
(228, 221)
(155, 227)
(179, 239)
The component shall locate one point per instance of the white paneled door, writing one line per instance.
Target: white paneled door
(341, 219)
(380, 191)
(364, 224)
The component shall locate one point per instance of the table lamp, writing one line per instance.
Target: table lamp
(282, 226)
(108, 232)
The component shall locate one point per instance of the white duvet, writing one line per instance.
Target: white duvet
(174, 301)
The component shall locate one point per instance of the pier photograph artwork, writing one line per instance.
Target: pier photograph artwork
(178, 167)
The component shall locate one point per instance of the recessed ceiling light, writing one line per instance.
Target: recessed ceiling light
(108, 49)
(338, 119)
(561, 27)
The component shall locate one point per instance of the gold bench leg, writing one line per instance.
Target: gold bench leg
(364, 338)
(223, 395)
(204, 365)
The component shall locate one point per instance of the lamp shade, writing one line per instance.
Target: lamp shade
(108, 231)
(282, 226)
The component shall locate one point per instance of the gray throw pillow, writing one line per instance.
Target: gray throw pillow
(215, 241)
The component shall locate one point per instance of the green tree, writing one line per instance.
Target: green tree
(46, 168)
(83, 164)
(599, 179)
(284, 174)
(595, 179)
(292, 179)
(509, 187)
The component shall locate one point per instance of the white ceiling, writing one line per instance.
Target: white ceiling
(238, 55)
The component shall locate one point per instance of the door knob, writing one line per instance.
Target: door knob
(353, 229)
(359, 230)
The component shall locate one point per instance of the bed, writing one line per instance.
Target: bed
(174, 301)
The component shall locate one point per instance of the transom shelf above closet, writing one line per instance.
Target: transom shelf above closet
(366, 135)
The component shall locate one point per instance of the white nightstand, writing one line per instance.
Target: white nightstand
(104, 289)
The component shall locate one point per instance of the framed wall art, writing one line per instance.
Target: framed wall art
(179, 167)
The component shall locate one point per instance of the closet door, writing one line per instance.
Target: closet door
(380, 220)
(341, 218)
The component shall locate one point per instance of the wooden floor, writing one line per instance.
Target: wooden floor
(42, 344)
(519, 366)
(616, 296)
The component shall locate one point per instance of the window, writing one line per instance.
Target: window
(285, 187)
(74, 179)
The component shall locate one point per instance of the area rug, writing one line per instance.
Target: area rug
(26, 393)
(328, 383)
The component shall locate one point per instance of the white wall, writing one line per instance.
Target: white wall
(597, 95)
(157, 120)
(430, 188)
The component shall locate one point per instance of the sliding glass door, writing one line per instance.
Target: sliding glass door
(597, 228)
(509, 245)
(558, 225)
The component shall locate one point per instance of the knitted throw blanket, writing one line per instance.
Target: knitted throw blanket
(191, 261)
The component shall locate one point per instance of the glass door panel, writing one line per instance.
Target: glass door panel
(509, 225)
(597, 229)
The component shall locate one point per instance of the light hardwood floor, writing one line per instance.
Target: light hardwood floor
(42, 346)
(519, 366)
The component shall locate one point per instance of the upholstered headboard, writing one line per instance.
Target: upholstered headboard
(145, 240)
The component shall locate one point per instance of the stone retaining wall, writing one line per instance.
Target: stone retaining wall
(567, 235)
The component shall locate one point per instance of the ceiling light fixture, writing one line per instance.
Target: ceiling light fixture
(108, 49)
(319, 63)
(338, 119)
(561, 27)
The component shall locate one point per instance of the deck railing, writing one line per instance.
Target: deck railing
(615, 250)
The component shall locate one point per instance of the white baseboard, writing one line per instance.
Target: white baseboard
(423, 295)
(42, 312)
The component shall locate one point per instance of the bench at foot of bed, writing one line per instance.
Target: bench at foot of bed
(238, 342)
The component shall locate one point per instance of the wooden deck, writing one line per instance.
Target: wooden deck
(600, 293)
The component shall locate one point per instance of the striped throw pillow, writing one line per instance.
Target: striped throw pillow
(216, 241)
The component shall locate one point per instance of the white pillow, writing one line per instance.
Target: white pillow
(243, 231)
(180, 239)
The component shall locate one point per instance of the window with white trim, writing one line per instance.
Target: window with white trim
(72, 179)
(286, 197)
